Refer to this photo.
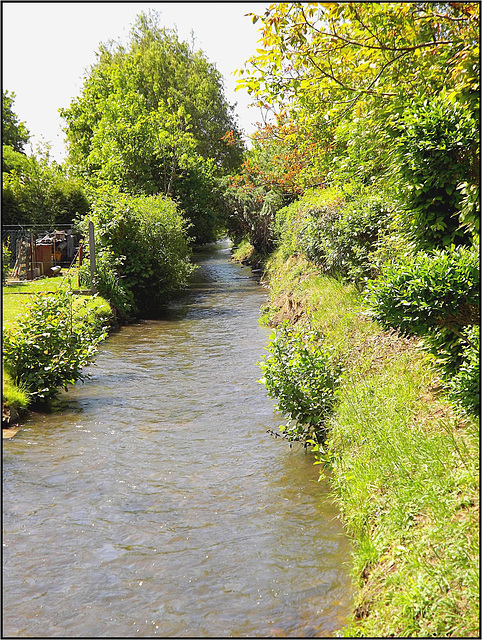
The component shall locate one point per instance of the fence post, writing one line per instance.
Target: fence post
(92, 255)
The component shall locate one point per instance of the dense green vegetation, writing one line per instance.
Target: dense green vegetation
(49, 345)
(142, 250)
(373, 150)
(48, 335)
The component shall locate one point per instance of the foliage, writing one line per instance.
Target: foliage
(6, 254)
(14, 132)
(342, 55)
(438, 151)
(342, 76)
(13, 160)
(38, 191)
(48, 347)
(436, 296)
(108, 283)
(440, 289)
(464, 386)
(249, 214)
(336, 228)
(271, 176)
(143, 242)
(152, 119)
(302, 375)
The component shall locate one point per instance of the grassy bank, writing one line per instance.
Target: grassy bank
(16, 297)
(403, 466)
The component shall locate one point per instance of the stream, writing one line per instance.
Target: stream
(152, 501)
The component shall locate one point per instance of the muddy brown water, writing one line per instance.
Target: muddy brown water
(152, 502)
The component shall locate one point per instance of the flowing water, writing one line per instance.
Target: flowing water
(152, 502)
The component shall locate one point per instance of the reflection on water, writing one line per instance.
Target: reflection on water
(152, 502)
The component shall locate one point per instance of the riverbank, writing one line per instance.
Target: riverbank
(403, 465)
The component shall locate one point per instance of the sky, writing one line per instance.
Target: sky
(47, 47)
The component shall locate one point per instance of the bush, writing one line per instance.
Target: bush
(302, 375)
(336, 230)
(48, 347)
(464, 387)
(249, 215)
(435, 296)
(142, 247)
(439, 289)
(438, 167)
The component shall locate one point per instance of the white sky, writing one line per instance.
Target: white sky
(48, 46)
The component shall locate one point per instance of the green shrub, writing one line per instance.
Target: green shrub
(439, 289)
(438, 166)
(302, 375)
(48, 346)
(336, 230)
(249, 214)
(435, 296)
(142, 247)
(291, 220)
(464, 386)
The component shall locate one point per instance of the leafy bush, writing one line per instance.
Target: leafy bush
(438, 166)
(302, 375)
(142, 247)
(249, 213)
(48, 346)
(429, 290)
(436, 296)
(336, 230)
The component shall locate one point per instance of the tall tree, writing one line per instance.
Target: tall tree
(152, 118)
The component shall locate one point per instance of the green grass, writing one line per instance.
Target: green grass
(404, 467)
(13, 395)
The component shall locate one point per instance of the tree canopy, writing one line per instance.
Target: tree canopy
(152, 118)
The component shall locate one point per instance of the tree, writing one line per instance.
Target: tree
(332, 65)
(14, 132)
(352, 52)
(38, 191)
(152, 118)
